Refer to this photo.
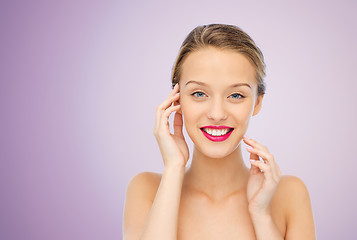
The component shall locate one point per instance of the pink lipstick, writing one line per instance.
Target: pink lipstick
(212, 132)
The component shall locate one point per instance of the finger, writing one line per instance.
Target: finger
(168, 101)
(250, 146)
(173, 96)
(254, 169)
(162, 107)
(277, 172)
(253, 143)
(175, 90)
(176, 85)
(261, 148)
(263, 167)
(271, 180)
(254, 156)
(165, 117)
(266, 156)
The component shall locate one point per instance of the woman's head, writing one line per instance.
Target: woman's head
(225, 37)
(220, 87)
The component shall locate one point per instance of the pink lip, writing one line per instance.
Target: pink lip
(216, 127)
(216, 138)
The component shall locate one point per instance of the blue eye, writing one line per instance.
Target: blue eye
(237, 96)
(198, 94)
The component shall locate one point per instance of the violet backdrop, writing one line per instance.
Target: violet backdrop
(80, 81)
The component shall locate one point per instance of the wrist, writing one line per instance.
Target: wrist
(176, 168)
(173, 174)
(260, 217)
(259, 213)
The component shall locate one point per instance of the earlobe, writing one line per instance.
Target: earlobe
(258, 105)
(178, 103)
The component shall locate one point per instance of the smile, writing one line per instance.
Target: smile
(217, 133)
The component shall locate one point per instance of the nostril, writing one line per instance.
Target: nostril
(216, 117)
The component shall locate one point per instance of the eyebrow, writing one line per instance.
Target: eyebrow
(204, 84)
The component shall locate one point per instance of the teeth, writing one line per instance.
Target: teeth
(216, 132)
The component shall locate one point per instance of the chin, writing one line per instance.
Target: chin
(216, 151)
(216, 155)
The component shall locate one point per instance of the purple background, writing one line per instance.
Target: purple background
(80, 81)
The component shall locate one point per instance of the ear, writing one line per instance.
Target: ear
(177, 103)
(258, 105)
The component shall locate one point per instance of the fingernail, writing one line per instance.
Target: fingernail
(249, 148)
(252, 160)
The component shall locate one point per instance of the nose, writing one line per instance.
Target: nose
(216, 111)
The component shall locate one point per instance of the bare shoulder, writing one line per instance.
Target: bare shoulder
(290, 191)
(145, 184)
(292, 184)
(140, 195)
(294, 196)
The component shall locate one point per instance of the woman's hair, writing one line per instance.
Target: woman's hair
(222, 36)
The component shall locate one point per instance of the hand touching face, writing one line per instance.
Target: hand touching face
(173, 147)
(264, 177)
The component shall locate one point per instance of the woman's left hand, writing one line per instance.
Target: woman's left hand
(263, 178)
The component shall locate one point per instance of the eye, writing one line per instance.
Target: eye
(198, 94)
(237, 96)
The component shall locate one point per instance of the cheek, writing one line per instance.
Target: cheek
(247, 111)
(242, 112)
(190, 111)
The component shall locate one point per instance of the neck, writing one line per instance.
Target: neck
(217, 178)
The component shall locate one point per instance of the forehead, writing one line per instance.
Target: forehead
(215, 66)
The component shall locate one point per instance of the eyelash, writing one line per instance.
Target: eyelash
(241, 96)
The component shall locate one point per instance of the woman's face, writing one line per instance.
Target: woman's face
(218, 89)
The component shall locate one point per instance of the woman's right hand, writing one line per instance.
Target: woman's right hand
(173, 147)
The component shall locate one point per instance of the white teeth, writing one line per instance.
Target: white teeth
(216, 132)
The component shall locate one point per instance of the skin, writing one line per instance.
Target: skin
(218, 197)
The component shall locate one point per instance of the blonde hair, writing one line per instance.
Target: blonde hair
(222, 36)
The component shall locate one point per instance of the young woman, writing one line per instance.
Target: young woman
(218, 86)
